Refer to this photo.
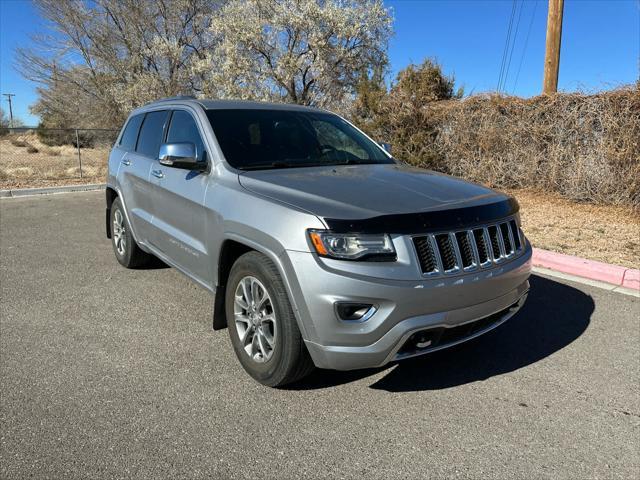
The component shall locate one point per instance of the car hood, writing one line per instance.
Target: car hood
(365, 191)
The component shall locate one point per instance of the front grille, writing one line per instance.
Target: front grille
(450, 252)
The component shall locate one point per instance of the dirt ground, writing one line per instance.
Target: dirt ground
(26, 162)
(605, 233)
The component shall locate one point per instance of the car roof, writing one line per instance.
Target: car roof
(229, 104)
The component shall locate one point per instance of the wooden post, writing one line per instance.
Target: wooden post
(552, 54)
(79, 157)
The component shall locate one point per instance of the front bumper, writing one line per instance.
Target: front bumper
(392, 345)
(403, 308)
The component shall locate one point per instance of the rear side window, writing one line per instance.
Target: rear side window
(183, 128)
(151, 134)
(130, 134)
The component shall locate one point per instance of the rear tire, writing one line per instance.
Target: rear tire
(262, 327)
(127, 251)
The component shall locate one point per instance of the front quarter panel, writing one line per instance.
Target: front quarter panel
(260, 223)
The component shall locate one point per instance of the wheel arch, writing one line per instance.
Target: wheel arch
(230, 251)
(232, 248)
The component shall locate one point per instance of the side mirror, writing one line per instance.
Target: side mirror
(180, 155)
(386, 146)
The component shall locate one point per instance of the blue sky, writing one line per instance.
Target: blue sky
(600, 43)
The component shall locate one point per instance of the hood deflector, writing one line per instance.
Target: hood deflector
(425, 222)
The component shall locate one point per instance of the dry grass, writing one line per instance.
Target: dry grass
(606, 233)
(584, 147)
(27, 162)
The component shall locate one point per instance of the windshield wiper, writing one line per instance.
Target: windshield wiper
(280, 164)
(353, 161)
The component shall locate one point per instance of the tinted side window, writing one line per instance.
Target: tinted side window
(130, 134)
(151, 134)
(184, 129)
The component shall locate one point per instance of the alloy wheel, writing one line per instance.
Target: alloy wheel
(119, 231)
(255, 319)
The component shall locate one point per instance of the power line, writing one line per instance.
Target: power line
(513, 47)
(506, 44)
(524, 49)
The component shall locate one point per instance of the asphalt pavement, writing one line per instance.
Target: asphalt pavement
(111, 373)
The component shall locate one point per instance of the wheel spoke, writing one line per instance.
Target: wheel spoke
(255, 292)
(241, 317)
(248, 332)
(262, 342)
(263, 300)
(268, 337)
(245, 291)
(256, 351)
(241, 302)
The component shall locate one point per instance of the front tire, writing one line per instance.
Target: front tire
(262, 327)
(127, 251)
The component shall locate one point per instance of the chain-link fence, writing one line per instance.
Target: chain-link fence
(43, 156)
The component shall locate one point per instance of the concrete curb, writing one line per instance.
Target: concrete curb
(590, 269)
(23, 192)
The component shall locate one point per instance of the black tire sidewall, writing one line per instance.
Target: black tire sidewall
(273, 370)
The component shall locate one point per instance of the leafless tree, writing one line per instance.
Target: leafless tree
(309, 52)
(101, 58)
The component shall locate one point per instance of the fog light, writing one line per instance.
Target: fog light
(358, 312)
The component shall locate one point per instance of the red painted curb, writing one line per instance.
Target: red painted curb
(631, 279)
(581, 267)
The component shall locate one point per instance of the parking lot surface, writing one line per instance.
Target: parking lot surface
(107, 372)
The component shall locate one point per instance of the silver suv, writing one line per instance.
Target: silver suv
(320, 249)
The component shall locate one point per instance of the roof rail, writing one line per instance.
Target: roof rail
(177, 97)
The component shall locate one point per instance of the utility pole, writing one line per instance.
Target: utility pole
(552, 54)
(9, 95)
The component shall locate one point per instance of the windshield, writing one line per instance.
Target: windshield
(254, 139)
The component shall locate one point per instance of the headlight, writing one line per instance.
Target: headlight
(352, 246)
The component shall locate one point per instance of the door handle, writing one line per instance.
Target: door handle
(157, 173)
(126, 162)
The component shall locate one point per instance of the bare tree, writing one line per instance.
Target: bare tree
(4, 120)
(309, 52)
(102, 58)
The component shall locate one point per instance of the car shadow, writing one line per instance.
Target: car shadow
(554, 315)
(154, 263)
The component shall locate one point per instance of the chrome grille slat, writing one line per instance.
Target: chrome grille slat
(481, 244)
(456, 249)
(434, 245)
(518, 237)
(474, 248)
(448, 253)
(513, 245)
(503, 251)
